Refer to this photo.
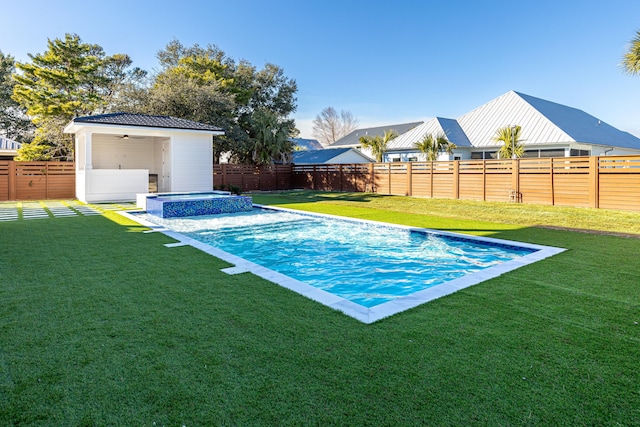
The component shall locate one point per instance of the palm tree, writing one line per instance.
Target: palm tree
(433, 145)
(272, 140)
(378, 144)
(631, 59)
(512, 148)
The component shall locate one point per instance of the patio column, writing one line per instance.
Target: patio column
(88, 163)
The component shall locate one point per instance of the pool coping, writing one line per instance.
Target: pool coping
(357, 311)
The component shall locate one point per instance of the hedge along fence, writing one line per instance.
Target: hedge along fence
(37, 180)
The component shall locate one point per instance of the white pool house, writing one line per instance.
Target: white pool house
(120, 155)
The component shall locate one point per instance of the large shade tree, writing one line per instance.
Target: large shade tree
(205, 85)
(512, 146)
(378, 144)
(434, 145)
(70, 79)
(14, 123)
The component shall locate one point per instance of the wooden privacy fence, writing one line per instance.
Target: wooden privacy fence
(37, 180)
(351, 177)
(611, 182)
(252, 178)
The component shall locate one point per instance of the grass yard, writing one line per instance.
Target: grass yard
(101, 324)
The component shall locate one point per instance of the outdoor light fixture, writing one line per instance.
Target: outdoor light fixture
(125, 136)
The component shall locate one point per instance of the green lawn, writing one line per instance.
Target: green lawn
(100, 324)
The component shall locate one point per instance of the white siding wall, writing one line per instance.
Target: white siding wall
(348, 157)
(80, 152)
(110, 185)
(192, 161)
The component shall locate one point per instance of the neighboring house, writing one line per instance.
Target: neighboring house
(344, 155)
(307, 144)
(548, 129)
(403, 149)
(120, 155)
(8, 148)
(352, 140)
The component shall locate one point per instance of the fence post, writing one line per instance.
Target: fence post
(12, 180)
(456, 179)
(431, 175)
(371, 178)
(551, 189)
(313, 178)
(409, 179)
(46, 180)
(224, 175)
(594, 181)
(515, 177)
(484, 180)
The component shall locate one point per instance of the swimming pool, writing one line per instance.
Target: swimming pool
(365, 269)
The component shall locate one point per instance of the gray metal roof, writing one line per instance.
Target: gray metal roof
(320, 156)
(146, 120)
(542, 123)
(436, 126)
(353, 139)
(481, 124)
(580, 126)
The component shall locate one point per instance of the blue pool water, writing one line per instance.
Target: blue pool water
(365, 263)
(191, 196)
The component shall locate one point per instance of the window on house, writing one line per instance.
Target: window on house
(552, 153)
(484, 155)
(575, 152)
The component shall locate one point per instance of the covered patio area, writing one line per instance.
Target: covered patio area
(122, 154)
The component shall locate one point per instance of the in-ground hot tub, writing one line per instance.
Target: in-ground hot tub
(174, 205)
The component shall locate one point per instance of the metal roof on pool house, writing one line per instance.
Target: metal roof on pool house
(146, 120)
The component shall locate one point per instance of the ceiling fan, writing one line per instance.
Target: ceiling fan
(125, 136)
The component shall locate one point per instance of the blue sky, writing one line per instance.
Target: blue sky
(386, 62)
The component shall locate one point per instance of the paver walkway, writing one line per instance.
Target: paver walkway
(28, 210)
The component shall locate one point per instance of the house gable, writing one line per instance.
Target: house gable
(437, 126)
(353, 138)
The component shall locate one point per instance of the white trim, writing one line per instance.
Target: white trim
(116, 129)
